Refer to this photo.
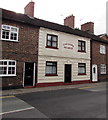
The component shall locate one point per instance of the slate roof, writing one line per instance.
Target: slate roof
(10, 15)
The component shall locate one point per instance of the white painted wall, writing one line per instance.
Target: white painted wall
(61, 51)
(62, 56)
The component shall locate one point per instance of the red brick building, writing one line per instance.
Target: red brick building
(99, 54)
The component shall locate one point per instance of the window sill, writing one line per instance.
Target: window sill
(10, 40)
(82, 74)
(81, 51)
(103, 73)
(51, 75)
(7, 75)
(51, 47)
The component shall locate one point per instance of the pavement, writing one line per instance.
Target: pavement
(38, 89)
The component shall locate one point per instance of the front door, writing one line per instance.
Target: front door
(94, 73)
(67, 73)
(29, 74)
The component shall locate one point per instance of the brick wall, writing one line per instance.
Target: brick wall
(70, 21)
(25, 50)
(99, 59)
(29, 9)
(89, 27)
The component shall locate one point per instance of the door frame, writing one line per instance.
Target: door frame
(34, 73)
(65, 73)
(95, 65)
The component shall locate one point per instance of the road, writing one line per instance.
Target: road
(82, 102)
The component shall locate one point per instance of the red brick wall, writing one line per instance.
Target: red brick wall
(25, 50)
(29, 9)
(89, 27)
(99, 59)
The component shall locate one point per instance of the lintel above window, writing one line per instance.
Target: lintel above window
(9, 33)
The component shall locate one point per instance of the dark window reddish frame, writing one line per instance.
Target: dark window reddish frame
(81, 68)
(51, 43)
(52, 65)
(81, 46)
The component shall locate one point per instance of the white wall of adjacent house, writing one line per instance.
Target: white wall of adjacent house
(67, 53)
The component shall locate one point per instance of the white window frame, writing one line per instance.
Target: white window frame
(9, 28)
(103, 69)
(102, 49)
(7, 67)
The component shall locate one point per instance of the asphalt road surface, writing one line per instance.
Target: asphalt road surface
(82, 102)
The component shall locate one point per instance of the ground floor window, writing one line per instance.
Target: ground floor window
(7, 68)
(51, 68)
(81, 68)
(103, 69)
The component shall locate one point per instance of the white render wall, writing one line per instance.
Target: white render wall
(62, 56)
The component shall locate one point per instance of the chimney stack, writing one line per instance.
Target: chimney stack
(70, 21)
(88, 27)
(29, 9)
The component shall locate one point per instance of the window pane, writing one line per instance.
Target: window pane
(54, 70)
(49, 63)
(13, 29)
(81, 68)
(54, 44)
(49, 43)
(79, 43)
(13, 36)
(51, 68)
(49, 37)
(3, 70)
(54, 38)
(11, 63)
(11, 70)
(48, 70)
(5, 34)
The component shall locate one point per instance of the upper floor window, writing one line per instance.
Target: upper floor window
(9, 33)
(81, 46)
(102, 49)
(7, 68)
(81, 69)
(52, 41)
(103, 69)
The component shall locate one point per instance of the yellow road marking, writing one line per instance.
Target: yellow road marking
(85, 87)
(1, 97)
(89, 87)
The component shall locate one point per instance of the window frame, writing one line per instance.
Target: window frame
(81, 46)
(10, 32)
(7, 68)
(102, 49)
(81, 67)
(52, 41)
(101, 69)
(51, 74)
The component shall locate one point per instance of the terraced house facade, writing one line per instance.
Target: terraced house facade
(41, 53)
